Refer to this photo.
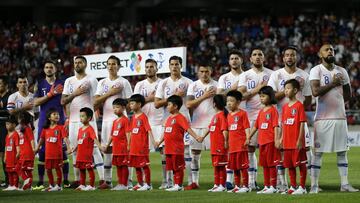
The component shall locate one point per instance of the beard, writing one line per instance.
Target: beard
(49, 75)
(290, 64)
(329, 59)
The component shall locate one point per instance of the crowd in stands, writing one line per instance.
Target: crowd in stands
(24, 47)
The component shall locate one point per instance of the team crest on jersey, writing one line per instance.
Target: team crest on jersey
(182, 86)
(266, 78)
(236, 118)
(267, 116)
(84, 135)
(293, 112)
(119, 126)
(56, 132)
(138, 123)
(11, 141)
(173, 121)
(215, 120)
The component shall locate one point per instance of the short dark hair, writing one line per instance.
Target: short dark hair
(256, 48)
(12, 119)
(138, 98)
(176, 100)
(4, 79)
(291, 47)
(22, 76)
(294, 83)
(114, 58)
(234, 93)
(81, 57)
(205, 63)
(120, 102)
(50, 61)
(235, 52)
(270, 92)
(150, 61)
(89, 113)
(177, 58)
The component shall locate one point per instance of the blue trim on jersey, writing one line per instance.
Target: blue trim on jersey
(315, 167)
(188, 159)
(342, 165)
(107, 167)
(99, 164)
(251, 169)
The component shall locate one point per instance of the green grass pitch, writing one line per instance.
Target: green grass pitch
(329, 182)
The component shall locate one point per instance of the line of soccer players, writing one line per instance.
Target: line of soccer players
(177, 114)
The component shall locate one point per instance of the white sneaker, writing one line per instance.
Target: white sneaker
(270, 190)
(263, 190)
(281, 188)
(220, 188)
(164, 186)
(314, 190)
(348, 188)
(47, 189)
(55, 188)
(145, 187)
(213, 188)
(175, 188)
(81, 188)
(234, 190)
(135, 188)
(10, 188)
(289, 191)
(244, 189)
(120, 187)
(299, 191)
(130, 185)
(89, 188)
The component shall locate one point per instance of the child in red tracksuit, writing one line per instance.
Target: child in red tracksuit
(27, 148)
(267, 125)
(119, 140)
(11, 154)
(52, 136)
(85, 147)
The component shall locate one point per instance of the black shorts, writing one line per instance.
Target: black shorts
(3, 133)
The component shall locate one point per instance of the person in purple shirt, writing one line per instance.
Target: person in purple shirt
(48, 95)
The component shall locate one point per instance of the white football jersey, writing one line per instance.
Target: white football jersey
(84, 100)
(331, 105)
(104, 86)
(227, 80)
(168, 87)
(278, 79)
(146, 88)
(203, 113)
(250, 79)
(16, 100)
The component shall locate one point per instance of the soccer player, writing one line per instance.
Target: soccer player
(176, 84)
(53, 135)
(139, 143)
(267, 125)
(277, 81)
(22, 100)
(109, 89)
(11, 153)
(239, 129)
(229, 81)
(293, 137)
(4, 113)
(330, 84)
(85, 147)
(79, 92)
(119, 139)
(250, 82)
(175, 126)
(199, 98)
(48, 95)
(218, 143)
(26, 147)
(147, 88)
